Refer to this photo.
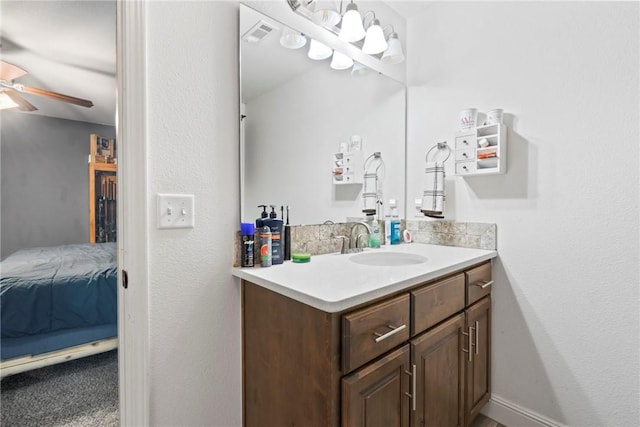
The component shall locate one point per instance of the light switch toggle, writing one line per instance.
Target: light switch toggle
(176, 211)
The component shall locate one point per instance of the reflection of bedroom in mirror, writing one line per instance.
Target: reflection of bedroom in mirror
(58, 272)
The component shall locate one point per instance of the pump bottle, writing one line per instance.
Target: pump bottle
(275, 225)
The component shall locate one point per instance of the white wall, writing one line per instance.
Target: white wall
(194, 304)
(566, 312)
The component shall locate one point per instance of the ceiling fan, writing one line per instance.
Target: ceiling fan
(10, 72)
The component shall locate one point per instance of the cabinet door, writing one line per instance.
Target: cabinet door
(378, 395)
(478, 370)
(439, 358)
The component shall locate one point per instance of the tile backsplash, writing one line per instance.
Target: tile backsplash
(323, 238)
(477, 235)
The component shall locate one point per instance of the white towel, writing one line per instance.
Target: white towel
(433, 196)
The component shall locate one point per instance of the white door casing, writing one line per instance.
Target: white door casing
(132, 213)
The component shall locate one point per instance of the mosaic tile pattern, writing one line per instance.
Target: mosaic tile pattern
(318, 239)
(324, 238)
(451, 233)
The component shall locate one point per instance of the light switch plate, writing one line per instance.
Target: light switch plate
(176, 210)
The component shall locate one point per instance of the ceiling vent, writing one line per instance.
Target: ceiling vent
(259, 31)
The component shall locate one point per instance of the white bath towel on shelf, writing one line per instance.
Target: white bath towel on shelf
(433, 196)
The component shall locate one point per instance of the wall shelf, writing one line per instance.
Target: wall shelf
(348, 168)
(481, 150)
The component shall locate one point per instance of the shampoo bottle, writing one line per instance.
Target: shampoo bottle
(265, 247)
(275, 225)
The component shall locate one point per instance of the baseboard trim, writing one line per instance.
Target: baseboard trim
(512, 415)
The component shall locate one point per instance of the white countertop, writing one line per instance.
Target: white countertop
(333, 283)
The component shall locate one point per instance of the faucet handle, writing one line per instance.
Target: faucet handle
(345, 244)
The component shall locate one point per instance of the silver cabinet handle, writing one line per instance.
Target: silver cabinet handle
(484, 285)
(394, 330)
(413, 385)
(476, 329)
(470, 342)
(412, 395)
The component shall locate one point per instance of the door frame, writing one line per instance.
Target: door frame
(133, 341)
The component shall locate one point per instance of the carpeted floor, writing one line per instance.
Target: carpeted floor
(79, 393)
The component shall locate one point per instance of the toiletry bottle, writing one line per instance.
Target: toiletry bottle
(263, 215)
(387, 226)
(265, 247)
(247, 231)
(395, 223)
(374, 237)
(275, 225)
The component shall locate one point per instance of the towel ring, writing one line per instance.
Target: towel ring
(439, 146)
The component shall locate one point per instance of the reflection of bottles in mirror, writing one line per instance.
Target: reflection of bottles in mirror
(374, 237)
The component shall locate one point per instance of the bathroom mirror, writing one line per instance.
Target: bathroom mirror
(296, 114)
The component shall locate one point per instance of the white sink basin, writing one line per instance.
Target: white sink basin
(387, 259)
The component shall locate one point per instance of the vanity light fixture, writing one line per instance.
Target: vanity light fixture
(318, 50)
(393, 54)
(374, 41)
(292, 39)
(388, 49)
(326, 12)
(340, 61)
(352, 29)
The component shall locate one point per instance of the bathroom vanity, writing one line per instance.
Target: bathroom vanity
(340, 343)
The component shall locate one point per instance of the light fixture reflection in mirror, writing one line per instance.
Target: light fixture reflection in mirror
(393, 54)
(292, 39)
(340, 61)
(359, 69)
(326, 12)
(319, 51)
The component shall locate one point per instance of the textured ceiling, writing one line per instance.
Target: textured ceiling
(67, 47)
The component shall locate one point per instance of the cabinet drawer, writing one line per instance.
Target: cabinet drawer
(465, 141)
(435, 302)
(373, 330)
(467, 154)
(465, 167)
(478, 282)
(349, 177)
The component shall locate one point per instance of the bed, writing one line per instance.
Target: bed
(56, 304)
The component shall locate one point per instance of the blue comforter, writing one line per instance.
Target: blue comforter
(62, 287)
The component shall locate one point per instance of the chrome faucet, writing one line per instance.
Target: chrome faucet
(366, 226)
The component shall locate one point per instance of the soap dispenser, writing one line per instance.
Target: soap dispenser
(275, 225)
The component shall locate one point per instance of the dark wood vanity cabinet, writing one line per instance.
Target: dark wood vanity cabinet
(418, 358)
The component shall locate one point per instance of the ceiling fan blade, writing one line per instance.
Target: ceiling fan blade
(10, 71)
(56, 95)
(23, 104)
